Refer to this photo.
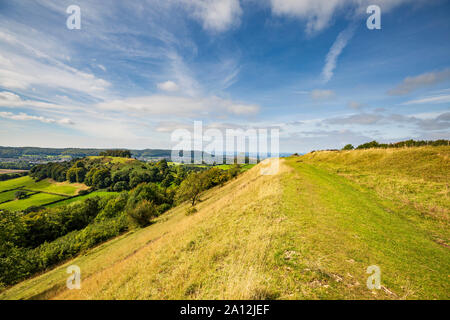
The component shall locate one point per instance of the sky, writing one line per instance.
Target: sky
(138, 70)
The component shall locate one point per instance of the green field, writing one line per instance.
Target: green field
(46, 185)
(64, 188)
(48, 191)
(113, 160)
(100, 194)
(38, 199)
(8, 195)
(244, 167)
(15, 183)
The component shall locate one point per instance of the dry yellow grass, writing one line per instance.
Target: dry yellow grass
(217, 253)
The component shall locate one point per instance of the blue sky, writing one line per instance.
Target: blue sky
(136, 71)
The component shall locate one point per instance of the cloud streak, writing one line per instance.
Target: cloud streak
(410, 84)
(335, 51)
(26, 117)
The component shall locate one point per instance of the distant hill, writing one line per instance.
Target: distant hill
(17, 152)
(308, 232)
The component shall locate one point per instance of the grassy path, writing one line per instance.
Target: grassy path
(344, 228)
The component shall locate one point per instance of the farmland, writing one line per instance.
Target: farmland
(36, 193)
(99, 193)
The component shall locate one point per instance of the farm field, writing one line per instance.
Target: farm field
(100, 194)
(6, 171)
(38, 199)
(112, 160)
(46, 190)
(15, 183)
(63, 188)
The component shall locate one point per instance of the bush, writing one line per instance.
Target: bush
(121, 186)
(143, 213)
(191, 210)
(20, 194)
(348, 147)
(84, 192)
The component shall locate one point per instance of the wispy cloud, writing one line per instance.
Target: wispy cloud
(410, 84)
(434, 99)
(336, 49)
(319, 14)
(26, 117)
(216, 15)
(180, 106)
(168, 86)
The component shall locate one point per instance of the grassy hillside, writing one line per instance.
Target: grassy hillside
(308, 232)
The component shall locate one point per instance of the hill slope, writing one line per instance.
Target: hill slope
(308, 232)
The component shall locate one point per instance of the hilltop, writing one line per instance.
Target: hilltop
(307, 232)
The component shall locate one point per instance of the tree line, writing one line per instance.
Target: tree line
(401, 144)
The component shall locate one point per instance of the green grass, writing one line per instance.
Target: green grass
(47, 185)
(8, 195)
(100, 194)
(113, 160)
(15, 183)
(343, 228)
(38, 199)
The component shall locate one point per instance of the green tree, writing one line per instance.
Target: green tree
(191, 188)
(20, 194)
(348, 147)
(143, 213)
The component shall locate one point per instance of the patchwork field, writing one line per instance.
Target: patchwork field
(9, 195)
(6, 171)
(100, 194)
(15, 183)
(38, 199)
(40, 193)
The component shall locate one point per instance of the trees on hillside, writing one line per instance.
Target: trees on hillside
(197, 182)
(116, 153)
(190, 188)
(348, 147)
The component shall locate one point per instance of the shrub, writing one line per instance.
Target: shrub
(142, 214)
(84, 192)
(348, 147)
(191, 210)
(20, 194)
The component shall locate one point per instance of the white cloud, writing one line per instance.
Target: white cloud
(322, 94)
(216, 15)
(26, 117)
(336, 49)
(102, 67)
(410, 84)
(180, 106)
(435, 99)
(316, 13)
(242, 109)
(12, 100)
(319, 13)
(169, 86)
